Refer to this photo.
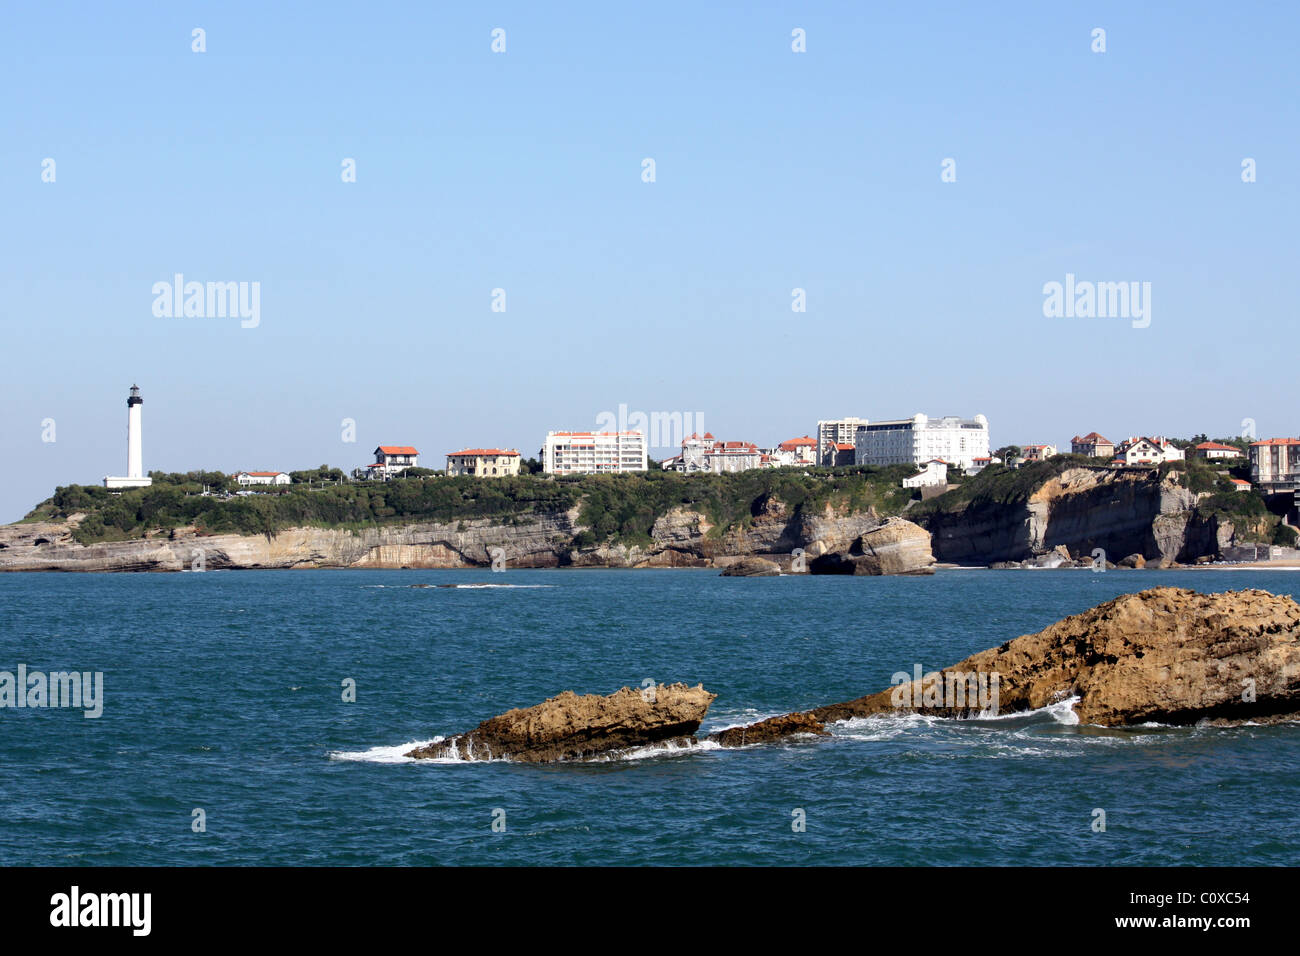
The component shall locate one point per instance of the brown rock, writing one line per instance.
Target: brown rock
(751, 568)
(1168, 655)
(572, 727)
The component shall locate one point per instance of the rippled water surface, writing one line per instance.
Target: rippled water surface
(223, 692)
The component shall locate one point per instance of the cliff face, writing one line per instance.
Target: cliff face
(681, 538)
(1120, 511)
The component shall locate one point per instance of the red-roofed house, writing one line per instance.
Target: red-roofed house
(794, 452)
(246, 478)
(1038, 452)
(392, 460)
(483, 462)
(1147, 451)
(1092, 445)
(1213, 449)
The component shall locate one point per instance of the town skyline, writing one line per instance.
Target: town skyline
(840, 229)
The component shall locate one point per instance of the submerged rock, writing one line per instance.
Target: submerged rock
(774, 728)
(752, 568)
(573, 727)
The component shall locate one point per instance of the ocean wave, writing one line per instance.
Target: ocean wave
(385, 753)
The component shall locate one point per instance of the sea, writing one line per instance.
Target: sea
(261, 717)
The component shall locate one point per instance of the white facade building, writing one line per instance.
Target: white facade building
(919, 439)
(932, 473)
(833, 432)
(594, 453)
(135, 476)
(1139, 450)
(246, 478)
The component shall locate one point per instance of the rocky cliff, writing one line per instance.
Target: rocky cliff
(1121, 511)
(681, 538)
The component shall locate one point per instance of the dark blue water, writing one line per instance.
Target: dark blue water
(222, 691)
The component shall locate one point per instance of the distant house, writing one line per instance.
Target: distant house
(1092, 445)
(1038, 452)
(796, 451)
(392, 460)
(845, 454)
(1139, 450)
(933, 473)
(1240, 485)
(483, 462)
(980, 463)
(1275, 464)
(246, 478)
(706, 453)
(1212, 449)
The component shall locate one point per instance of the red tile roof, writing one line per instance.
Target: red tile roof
(397, 450)
(843, 446)
(1215, 446)
(1092, 438)
(791, 444)
(262, 474)
(1276, 441)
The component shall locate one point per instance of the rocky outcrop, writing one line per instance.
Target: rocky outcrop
(1119, 510)
(1168, 655)
(681, 538)
(896, 547)
(572, 727)
(751, 568)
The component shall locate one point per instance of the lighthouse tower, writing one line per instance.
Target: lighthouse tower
(135, 477)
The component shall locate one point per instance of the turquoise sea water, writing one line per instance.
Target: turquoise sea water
(222, 691)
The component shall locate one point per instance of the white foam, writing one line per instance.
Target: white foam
(384, 754)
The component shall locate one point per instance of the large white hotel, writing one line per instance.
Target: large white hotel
(593, 453)
(916, 440)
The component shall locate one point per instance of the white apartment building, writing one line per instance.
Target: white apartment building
(593, 453)
(920, 439)
(833, 432)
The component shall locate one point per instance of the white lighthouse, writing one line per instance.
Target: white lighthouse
(135, 476)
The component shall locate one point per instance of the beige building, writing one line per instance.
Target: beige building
(483, 462)
(1092, 445)
(1275, 464)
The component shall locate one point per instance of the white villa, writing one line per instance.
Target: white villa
(246, 478)
(1147, 451)
(933, 473)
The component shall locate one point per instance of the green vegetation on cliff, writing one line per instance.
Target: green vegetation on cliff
(615, 508)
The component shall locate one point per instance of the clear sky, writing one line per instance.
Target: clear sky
(522, 170)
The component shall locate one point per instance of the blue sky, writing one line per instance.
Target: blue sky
(522, 171)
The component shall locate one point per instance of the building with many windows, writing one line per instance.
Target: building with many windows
(594, 453)
(483, 462)
(1139, 450)
(1275, 464)
(1214, 449)
(833, 432)
(919, 439)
